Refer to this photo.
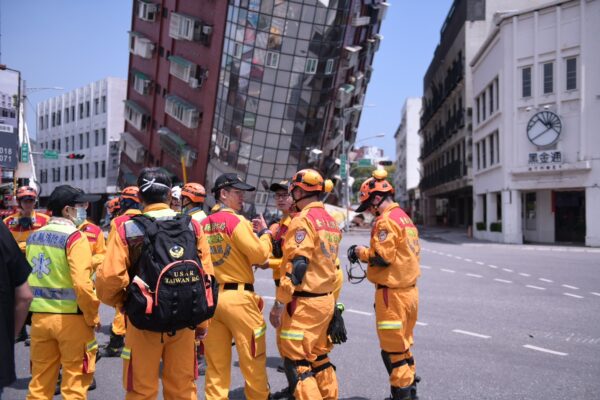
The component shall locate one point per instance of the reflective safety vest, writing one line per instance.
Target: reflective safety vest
(197, 214)
(50, 278)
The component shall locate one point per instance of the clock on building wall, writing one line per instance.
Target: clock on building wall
(544, 128)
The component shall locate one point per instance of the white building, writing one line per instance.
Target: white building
(408, 146)
(87, 121)
(536, 148)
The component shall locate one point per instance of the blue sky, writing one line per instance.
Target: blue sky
(70, 43)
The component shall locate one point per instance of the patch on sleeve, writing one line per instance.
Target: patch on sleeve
(382, 235)
(300, 235)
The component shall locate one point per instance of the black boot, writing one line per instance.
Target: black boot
(413, 388)
(114, 346)
(400, 393)
(283, 394)
(22, 336)
(93, 384)
(201, 365)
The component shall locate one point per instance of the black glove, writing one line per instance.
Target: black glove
(277, 249)
(337, 328)
(352, 256)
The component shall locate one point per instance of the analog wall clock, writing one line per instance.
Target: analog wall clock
(544, 128)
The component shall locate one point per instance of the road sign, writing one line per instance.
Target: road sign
(25, 152)
(365, 162)
(343, 169)
(50, 154)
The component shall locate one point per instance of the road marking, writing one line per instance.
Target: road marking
(492, 266)
(595, 293)
(524, 274)
(479, 262)
(458, 257)
(502, 280)
(546, 280)
(471, 333)
(507, 270)
(268, 297)
(570, 287)
(359, 312)
(422, 323)
(449, 255)
(468, 260)
(557, 353)
(448, 270)
(475, 275)
(535, 287)
(573, 295)
(425, 267)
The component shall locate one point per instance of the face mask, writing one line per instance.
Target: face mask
(25, 222)
(81, 216)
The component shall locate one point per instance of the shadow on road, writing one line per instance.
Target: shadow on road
(21, 383)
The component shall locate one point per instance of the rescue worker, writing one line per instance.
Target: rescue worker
(93, 233)
(176, 199)
(192, 200)
(113, 207)
(234, 249)
(304, 304)
(145, 349)
(129, 205)
(65, 306)
(283, 203)
(393, 266)
(21, 224)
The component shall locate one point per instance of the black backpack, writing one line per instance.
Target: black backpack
(169, 290)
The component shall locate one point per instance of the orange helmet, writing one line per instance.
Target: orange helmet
(376, 184)
(194, 191)
(130, 192)
(26, 191)
(113, 205)
(310, 181)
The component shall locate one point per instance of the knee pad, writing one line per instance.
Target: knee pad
(389, 365)
(292, 374)
(324, 366)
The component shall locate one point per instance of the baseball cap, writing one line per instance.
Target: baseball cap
(281, 185)
(232, 180)
(66, 195)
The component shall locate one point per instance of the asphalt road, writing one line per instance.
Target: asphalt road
(495, 322)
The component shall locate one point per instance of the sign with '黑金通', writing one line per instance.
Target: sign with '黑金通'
(9, 119)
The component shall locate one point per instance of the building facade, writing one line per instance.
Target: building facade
(292, 83)
(408, 169)
(536, 148)
(446, 120)
(86, 122)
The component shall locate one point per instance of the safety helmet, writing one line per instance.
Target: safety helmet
(310, 181)
(26, 191)
(114, 205)
(130, 192)
(194, 191)
(375, 184)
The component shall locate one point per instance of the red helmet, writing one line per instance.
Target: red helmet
(376, 184)
(194, 191)
(26, 191)
(130, 192)
(310, 181)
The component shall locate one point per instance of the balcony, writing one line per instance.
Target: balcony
(441, 91)
(350, 57)
(452, 171)
(132, 148)
(344, 95)
(443, 133)
(361, 21)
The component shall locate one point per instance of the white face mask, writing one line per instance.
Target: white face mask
(81, 216)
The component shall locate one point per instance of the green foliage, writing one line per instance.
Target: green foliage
(480, 226)
(496, 227)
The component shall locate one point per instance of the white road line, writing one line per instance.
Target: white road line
(448, 270)
(557, 353)
(458, 257)
(425, 267)
(359, 312)
(570, 287)
(595, 293)
(475, 275)
(535, 287)
(524, 274)
(471, 333)
(468, 260)
(422, 323)
(449, 255)
(492, 266)
(573, 295)
(268, 297)
(502, 280)
(546, 280)
(507, 270)
(479, 262)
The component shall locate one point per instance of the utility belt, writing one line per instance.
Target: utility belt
(277, 282)
(387, 287)
(309, 294)
(237, 286)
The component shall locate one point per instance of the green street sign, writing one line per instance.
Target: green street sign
(343, 165)
(50, 154)
(364, 162)
(25, 152)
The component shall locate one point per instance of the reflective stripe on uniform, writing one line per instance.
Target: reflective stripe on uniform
(126, 353)
(53, 293)
(91, 345)
(291, 335)
(389, 325)
(259, 332)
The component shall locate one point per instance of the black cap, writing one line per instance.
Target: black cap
(232, 180)
(282, 185)
(66, 195)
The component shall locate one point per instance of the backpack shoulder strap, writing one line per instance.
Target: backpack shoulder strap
(148, 223)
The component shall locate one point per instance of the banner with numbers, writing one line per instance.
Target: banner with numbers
(9, 119)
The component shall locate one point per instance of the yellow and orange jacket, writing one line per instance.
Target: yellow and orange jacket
(394, 253)
(313, 234)
(113, 277)
(21, 234)
(279, 229)
(120, 220)
(95, 236)
(234, 247)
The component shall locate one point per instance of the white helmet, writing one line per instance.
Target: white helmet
(176, 192)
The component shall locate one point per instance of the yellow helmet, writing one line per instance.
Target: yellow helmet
(310, 181)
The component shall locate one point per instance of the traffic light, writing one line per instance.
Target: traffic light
(74, 156)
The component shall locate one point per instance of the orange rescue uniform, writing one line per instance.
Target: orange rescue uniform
(234, 249)
(393, 266)
(143, 349)
(20, 233)
(95, 236)
(313, 234)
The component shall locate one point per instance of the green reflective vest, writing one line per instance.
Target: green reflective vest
(50, 278)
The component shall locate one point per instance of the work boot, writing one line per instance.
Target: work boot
(22, 336)
(114, 346)
(413, 388)
(93, 384)
(281, 369)
(283, 394)
(58, 383)
(201, 365)
(400, 393)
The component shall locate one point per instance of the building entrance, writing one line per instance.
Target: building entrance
(570, 216)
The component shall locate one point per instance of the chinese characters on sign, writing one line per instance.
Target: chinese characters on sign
(545, 160)
(9, 123)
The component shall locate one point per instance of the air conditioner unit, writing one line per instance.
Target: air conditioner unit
(194, 83)
(207, 30)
